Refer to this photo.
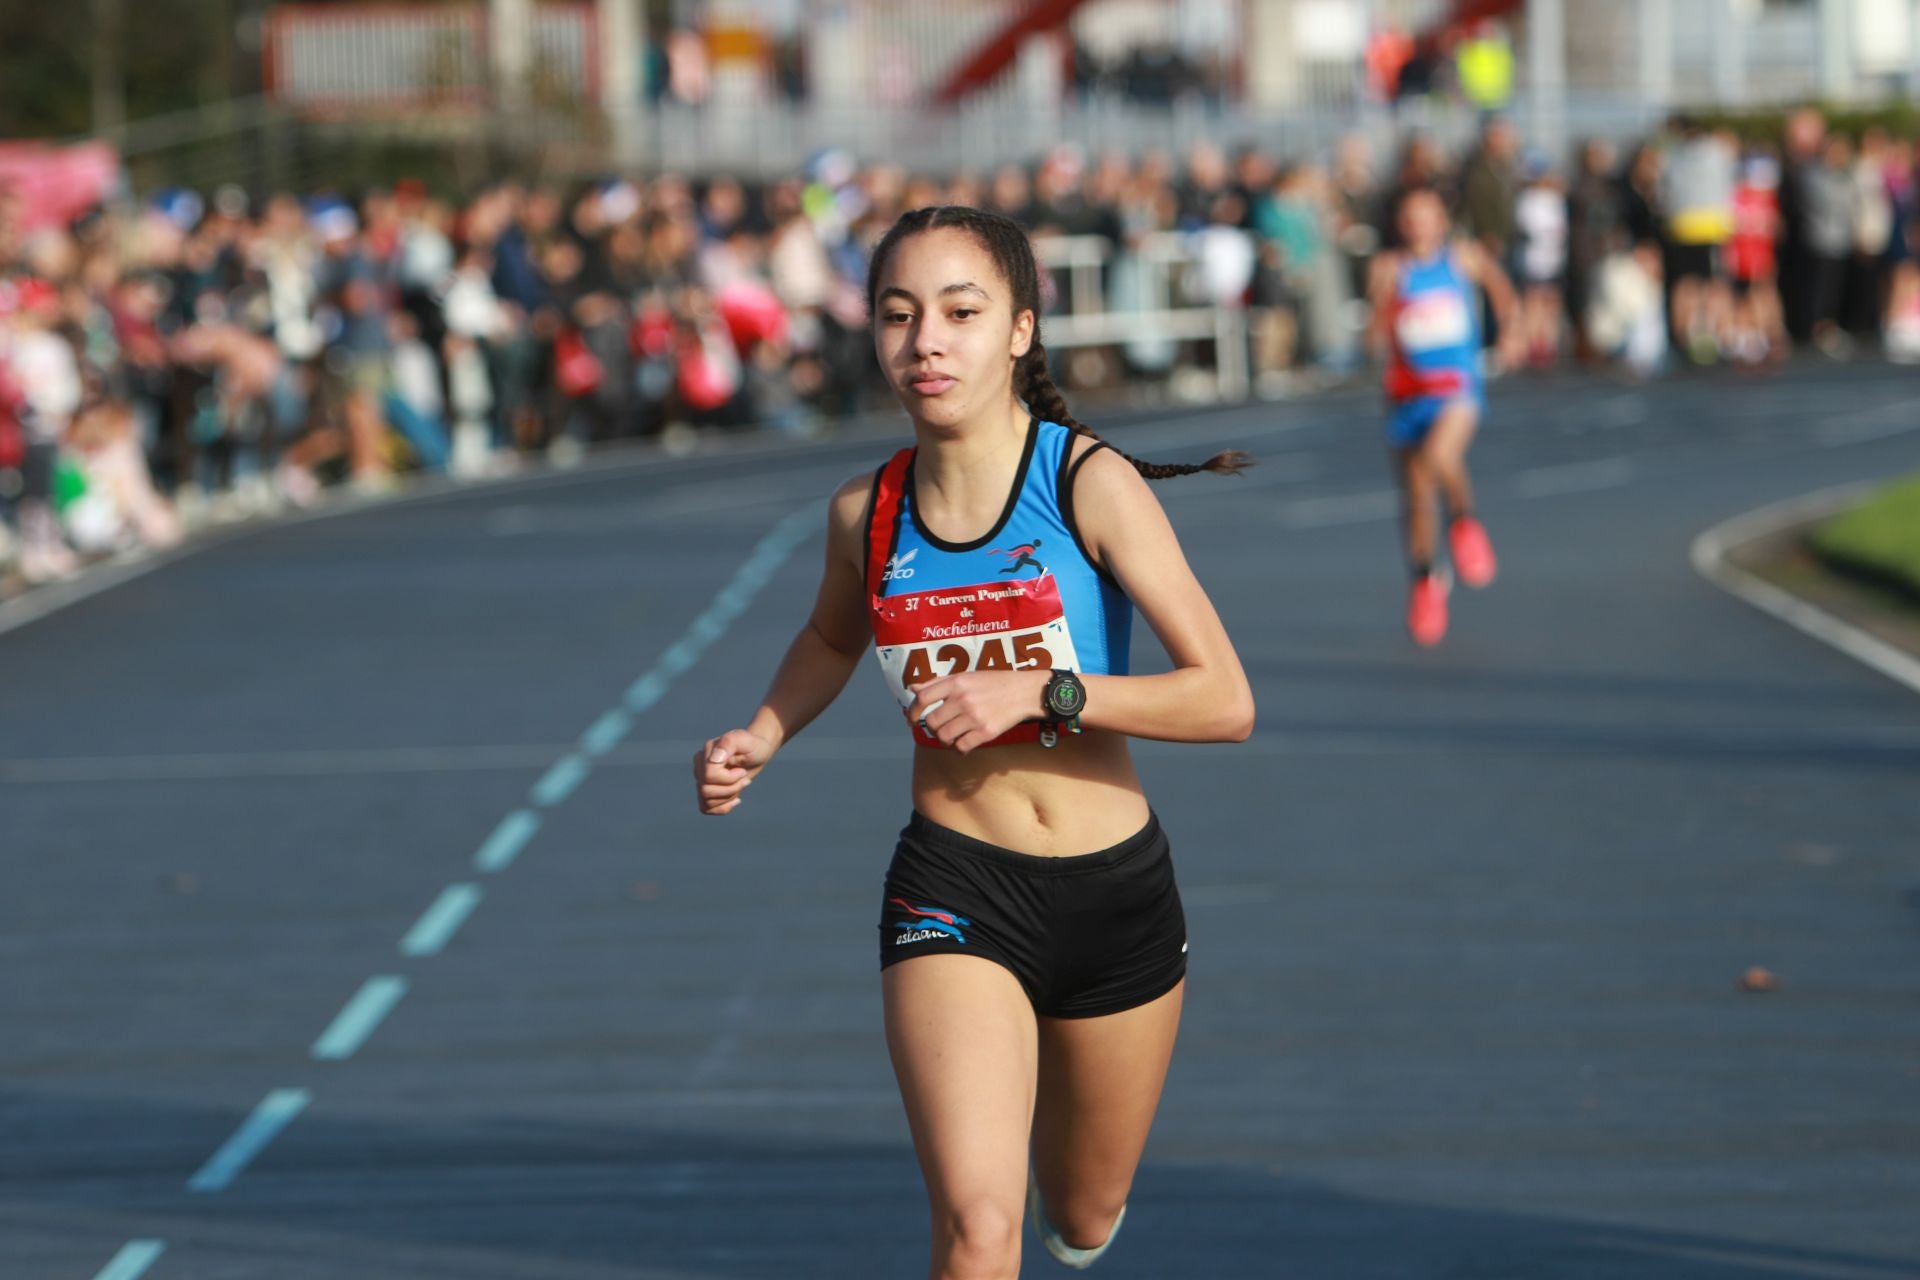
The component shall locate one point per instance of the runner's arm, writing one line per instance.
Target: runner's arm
(1381, 274)
(1206, 697)
(1485, 272)
(812, 673)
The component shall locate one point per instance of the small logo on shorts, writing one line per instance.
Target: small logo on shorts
(928, 922)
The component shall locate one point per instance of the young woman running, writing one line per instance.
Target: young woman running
(1032, 944)
(1425, 323)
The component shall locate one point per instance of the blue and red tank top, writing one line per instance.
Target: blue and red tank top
(1025, 595)
(1435, 331)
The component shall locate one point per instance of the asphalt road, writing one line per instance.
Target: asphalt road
(358, 921)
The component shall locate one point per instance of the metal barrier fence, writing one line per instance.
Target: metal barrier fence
(382, 56)
(1090, 316)
(263, 145)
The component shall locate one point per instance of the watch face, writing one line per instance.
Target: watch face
(1066, 698)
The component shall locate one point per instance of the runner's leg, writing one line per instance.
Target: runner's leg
(963, 1040)
(1100, 1082)
(1418, 493)
(1445, 454)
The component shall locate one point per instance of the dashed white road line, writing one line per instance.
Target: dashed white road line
(1875, 423)
(1575, 477)
(1346, 508)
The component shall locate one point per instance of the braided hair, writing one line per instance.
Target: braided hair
(1033, 381)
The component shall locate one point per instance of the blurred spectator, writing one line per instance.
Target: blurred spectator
(1595, 227)
(41, 366)
(1758, 330)
(1903, 254)
(1865, 290)
(114, 504)
(355, 296)
(1830, 226)
(1640, 198)
(1697, 195)
(1540, 221)
(1224, 254)
(1626, 314)
(1298, 222)
(1489, 186)
(1805, 133)
(1354, 199)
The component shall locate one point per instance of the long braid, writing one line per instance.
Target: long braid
(1012, 252)
(1044, 397)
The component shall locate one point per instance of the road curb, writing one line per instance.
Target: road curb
(1709, 554)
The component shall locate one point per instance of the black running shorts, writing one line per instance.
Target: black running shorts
(1087, 935)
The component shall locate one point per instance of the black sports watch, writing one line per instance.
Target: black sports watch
(1061, 703)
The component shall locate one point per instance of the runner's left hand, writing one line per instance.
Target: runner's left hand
(972, 709)
(1511, 352)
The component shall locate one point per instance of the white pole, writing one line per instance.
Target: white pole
(1730, 54)
(512, 52)
(1656, 53)
(619, 53)
(1547, 73)
(1913, 49)
(1836, 49)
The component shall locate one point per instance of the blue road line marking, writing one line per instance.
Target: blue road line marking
(440, 921)
(133, 1260)
(567, 773)
(275, 1112)
(378, 995)
(680, 656)
(507, 840)
(646, 691)
(372, 1003)
(606, 732)
(728, 604)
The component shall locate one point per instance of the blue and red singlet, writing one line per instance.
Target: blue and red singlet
(1026, 595)
(1435, 357)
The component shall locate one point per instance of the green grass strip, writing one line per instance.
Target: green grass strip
(1879, 539)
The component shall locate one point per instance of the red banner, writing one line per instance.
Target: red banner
(55, 185)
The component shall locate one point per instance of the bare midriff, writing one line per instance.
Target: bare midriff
(1078, 797)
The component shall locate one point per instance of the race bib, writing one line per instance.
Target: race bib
(993, 626)
(1433, 321)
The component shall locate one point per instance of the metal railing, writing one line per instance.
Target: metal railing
(386, 56)
(1089, 317)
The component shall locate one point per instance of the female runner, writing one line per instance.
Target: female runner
(1031, 938)
(1424, 305)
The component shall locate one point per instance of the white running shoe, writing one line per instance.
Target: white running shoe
(1066, 1254)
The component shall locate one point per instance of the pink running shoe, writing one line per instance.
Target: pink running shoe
(1472, 552)
(1427, 610)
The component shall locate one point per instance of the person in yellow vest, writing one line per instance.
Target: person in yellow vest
(1485, 68)
(1697, 194)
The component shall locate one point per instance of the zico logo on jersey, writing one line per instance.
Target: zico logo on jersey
(992, 626)
(899, 566)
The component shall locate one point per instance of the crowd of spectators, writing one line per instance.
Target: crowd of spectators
(194, 358)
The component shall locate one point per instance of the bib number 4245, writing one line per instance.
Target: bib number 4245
(1023, 652)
